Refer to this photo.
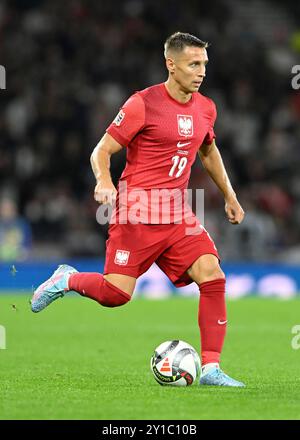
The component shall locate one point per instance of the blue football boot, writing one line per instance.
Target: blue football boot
(217, 377)
(55, 287)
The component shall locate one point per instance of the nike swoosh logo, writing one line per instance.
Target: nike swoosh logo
(183, 144)
(221, 322)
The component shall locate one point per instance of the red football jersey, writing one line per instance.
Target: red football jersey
(162, 137)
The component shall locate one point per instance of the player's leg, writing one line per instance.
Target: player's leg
(110, 290)
(206, 268)
(206, 272)
(212, 318)
(195, 258)
(126, 259)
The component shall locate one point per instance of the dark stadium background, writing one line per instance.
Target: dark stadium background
(70, 65)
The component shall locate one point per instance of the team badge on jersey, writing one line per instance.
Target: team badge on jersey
(185, 125)
(121, 257)
(119, 118)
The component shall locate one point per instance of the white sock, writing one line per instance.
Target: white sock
(207, 367)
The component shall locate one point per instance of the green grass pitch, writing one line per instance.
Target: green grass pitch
(77, 360)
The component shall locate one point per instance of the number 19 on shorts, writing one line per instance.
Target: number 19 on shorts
(179, 164)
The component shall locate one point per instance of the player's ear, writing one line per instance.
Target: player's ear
(170, 64)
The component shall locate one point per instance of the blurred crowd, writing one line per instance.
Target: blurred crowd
(69, 67)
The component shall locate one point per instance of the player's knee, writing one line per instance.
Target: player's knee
(112, 296)
(207, 268)
(217, 274)
(125, 283)
(212, 275)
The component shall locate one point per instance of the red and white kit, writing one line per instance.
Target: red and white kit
(162, 137)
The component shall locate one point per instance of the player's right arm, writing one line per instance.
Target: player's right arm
(105, 191)
(128, 122)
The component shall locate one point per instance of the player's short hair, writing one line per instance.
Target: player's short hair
(179, 40)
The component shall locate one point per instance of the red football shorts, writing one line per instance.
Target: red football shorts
(132, 248)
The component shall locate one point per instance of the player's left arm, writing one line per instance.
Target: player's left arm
(212, 161)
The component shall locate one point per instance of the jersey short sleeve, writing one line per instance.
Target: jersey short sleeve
(129, 121)
(210, 136)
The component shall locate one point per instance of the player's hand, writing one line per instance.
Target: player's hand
(105, 193)
(234, 211)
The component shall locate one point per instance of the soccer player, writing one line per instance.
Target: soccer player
(163, 127)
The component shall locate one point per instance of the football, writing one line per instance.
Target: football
(175, 363)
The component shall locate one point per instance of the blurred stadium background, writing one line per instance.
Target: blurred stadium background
(70, 65)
